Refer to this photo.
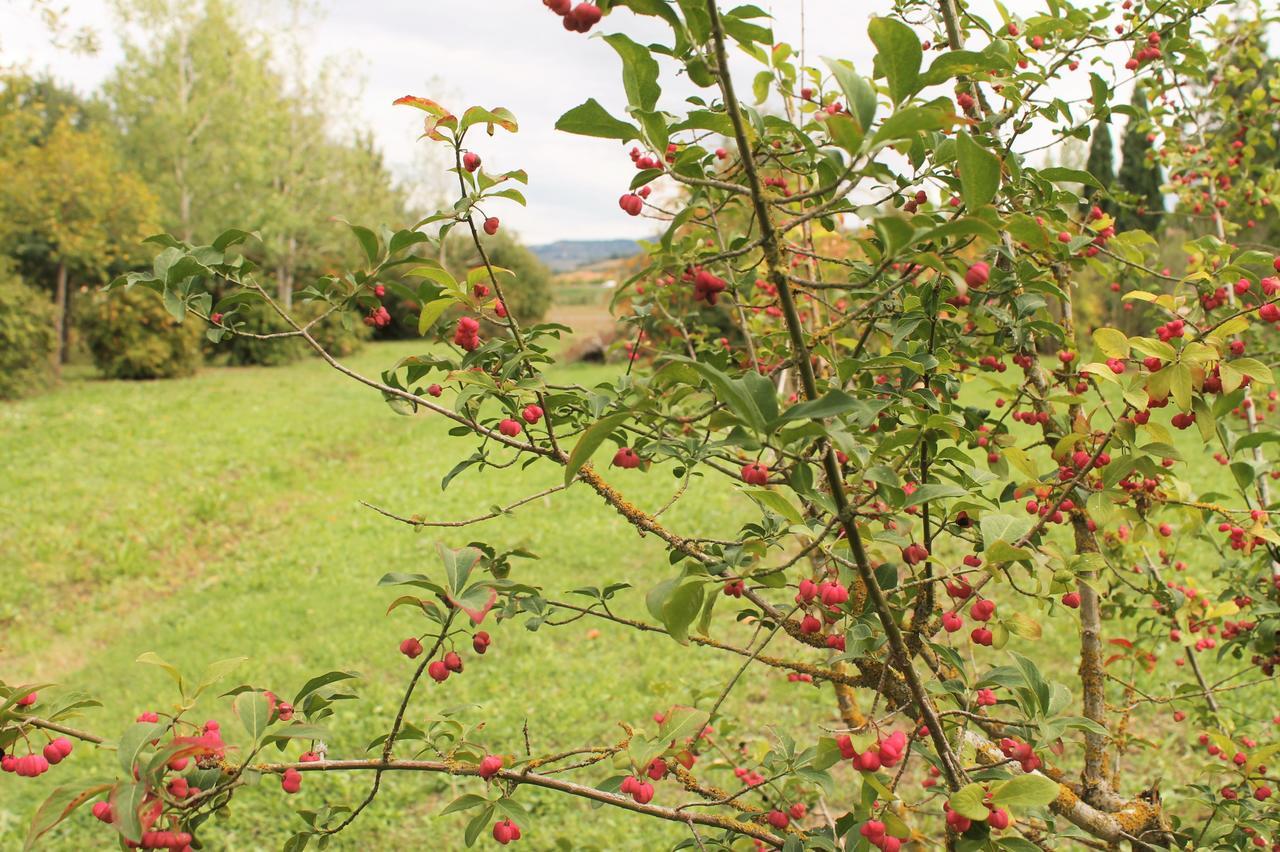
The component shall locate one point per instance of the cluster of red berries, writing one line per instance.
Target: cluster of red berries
(640, 791)
(706, 286)
(577, 19)
(1150, 50)
(830, 594)
(915, 553)
(982, 610)
(997, 818)
(886, 752)
(995, 365)
(506, 831)
(174, 840)
(649, 161)
(781, 819)
(876, 833)
(1021, 752)
(467, 333)
(378, 317)
(439, 670)
(34, 764)
(633, 202)
(913, 203)
(749, 776)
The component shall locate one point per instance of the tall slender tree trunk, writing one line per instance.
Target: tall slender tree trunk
(60, 316)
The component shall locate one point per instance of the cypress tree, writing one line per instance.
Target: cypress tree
(1102, 165)
(1139, 179)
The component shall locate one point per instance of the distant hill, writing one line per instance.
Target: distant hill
(568, 255)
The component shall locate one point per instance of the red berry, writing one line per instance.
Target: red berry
(291, 781)
(489, 766)
(471, 161)
(411, 647)
(978, 274)
(491, 225)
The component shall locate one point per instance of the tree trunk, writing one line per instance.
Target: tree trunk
(60, 316)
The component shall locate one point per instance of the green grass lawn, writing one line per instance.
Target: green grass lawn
(218, 516)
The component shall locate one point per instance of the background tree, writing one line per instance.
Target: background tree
(1139, 177)
(1102, 165)
(70, 199)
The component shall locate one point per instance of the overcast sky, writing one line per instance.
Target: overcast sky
(512, 53)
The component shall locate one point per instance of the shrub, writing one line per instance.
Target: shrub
(28, 339)
(132, 336)
(341, 334)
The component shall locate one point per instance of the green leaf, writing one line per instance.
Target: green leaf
(1005, 528)
(898, 55)
(463, 803)
(320, 681)
(151, 658)
(126, 801)
(1020, 624)
(232, 237)
(60, 803)
(909, 122)
(300, 732)
(681, 608)
(590, 441)
(967, 801)
(254, 712)
(1025, 791)
(979, 171)
(776, 503)
(934, 491)
(954, 63)
(682, 723)
(1112, 342)
(857, 91)
(734, 394)
(639, 71)
(431, 312)
(1180, 385)
(216, 671)
(136, 738)
(1061, 174)
(591, 119)
(1255, 369)
(477, 825)
(368, 241)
